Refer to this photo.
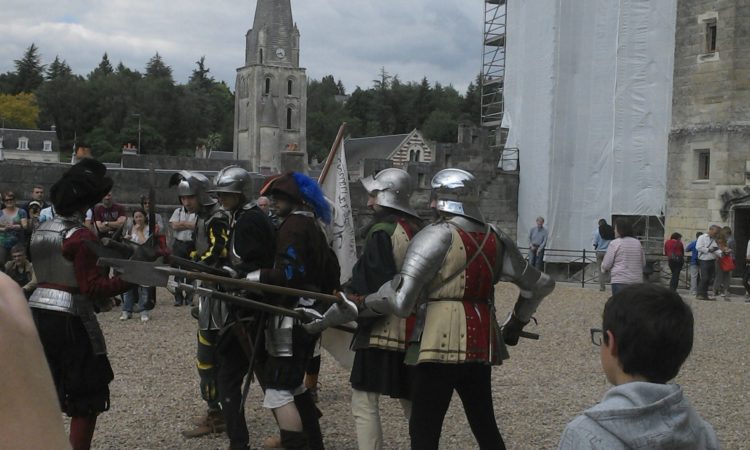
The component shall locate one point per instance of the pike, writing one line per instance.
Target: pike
(156, 274)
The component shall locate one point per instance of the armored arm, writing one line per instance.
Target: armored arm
(422, 262)
(534, 286)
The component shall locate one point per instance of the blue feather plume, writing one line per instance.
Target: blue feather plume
(313, 195)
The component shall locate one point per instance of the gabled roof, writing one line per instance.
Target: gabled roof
(375, 147)
(36, 138)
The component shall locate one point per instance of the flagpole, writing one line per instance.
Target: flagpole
(332, 153)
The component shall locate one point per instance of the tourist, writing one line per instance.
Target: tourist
(725, 264)
(624, 259)
(21, 270)
(675, 252)
(603, 235)
(646, 336)
(537, 242)
(694, 269)
(108, 216)
(182, 223)
(13, 222)
(138, 234)
(708, 252)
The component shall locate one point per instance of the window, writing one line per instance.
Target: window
(23, 143)
(289, 86)
(710, 36)
(47, 146)
(260, 52)
(289, 118)
(704, 164)
(267, 89)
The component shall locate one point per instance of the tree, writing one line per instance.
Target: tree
(19, 111)
(29, 71)
(440, 127)
(104, 68)
(155, 68)
(58, 69)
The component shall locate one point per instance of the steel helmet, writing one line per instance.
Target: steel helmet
(391, 188)
(231, 179)
(456, 191)
(192, 183)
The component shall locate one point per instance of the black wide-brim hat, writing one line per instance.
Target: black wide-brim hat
(284, 184)
(81, 187)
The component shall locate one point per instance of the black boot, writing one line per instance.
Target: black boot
(294, 440)
(309, 413)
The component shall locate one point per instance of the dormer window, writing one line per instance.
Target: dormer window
(23, 143)
(47, 146)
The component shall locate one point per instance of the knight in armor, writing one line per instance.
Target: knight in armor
(302, 260)
(252, 239)
(210, 238)
(447, 279)
(380, 341)
(69, 291)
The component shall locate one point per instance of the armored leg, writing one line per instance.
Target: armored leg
(233, 365)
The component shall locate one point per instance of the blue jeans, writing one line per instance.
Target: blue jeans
(129, 297)
(537, 259)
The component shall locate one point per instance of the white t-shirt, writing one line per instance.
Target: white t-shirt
(181, 215)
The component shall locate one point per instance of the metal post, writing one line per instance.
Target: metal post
(583, 273)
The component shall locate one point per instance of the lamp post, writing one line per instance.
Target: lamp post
(139, 131)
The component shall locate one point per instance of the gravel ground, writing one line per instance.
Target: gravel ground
(542, 387)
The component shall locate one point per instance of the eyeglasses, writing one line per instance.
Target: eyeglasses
(597, 335)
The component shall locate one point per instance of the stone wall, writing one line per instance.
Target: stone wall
(711, 107)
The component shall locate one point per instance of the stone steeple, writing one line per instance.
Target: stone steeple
(274, 33)
(271, 91)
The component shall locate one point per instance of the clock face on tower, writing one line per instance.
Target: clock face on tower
(280, 53)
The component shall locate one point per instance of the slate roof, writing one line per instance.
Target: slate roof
(375, 147)
(224, 156)
(36, 138)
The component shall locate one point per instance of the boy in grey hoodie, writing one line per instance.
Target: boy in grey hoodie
(646, 335)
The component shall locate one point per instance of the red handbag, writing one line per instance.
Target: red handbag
(726, 263)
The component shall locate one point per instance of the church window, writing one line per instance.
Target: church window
(261, 55)
(267, 89)
(289, 118)
(289, 86)
(704, 164)
(23, 143)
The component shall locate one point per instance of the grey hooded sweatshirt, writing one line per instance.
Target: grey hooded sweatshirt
(640, 415)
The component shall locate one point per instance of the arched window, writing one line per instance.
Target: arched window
(419, 153)
(289, 86)
(267, 89)
(261, 56)
(411, 155)
(289, 118)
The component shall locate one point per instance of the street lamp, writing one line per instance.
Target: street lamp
(139, 131)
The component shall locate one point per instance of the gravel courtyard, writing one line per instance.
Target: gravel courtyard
(543, 386)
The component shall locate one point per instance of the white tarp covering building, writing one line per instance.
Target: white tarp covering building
(588, 95)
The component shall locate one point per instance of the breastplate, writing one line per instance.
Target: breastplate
(46, 249)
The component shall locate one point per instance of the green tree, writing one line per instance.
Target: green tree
(19, 111)
(29, 71)
(58, 69)
(440, 126)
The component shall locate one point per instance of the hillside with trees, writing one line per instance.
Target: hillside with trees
(104, 107)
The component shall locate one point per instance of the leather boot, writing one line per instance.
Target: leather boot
(309, 413)
(212, 422)
(294, 440)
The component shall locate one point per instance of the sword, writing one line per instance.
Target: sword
(155, 274)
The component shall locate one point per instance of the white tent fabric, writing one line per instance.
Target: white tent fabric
(588, 94)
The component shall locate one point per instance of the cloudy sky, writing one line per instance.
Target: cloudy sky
(351, 39)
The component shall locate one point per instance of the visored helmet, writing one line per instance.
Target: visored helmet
(192, 183)
(456, 191)
(391, 188)
(231, 179)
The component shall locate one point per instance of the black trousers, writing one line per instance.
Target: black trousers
(432, 389)
(675, 268)
(233, 364)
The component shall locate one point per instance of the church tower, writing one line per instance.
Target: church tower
(270, 109)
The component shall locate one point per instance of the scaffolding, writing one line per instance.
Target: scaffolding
(493, 74)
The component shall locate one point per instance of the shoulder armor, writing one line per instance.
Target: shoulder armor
(427, 251)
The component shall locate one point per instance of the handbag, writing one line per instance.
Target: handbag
(726, 263)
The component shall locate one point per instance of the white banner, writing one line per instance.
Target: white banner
(335, 186)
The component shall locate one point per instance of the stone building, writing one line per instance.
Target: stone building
(29, 145)
(397, 150)
(709, 142)
(271, 91)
